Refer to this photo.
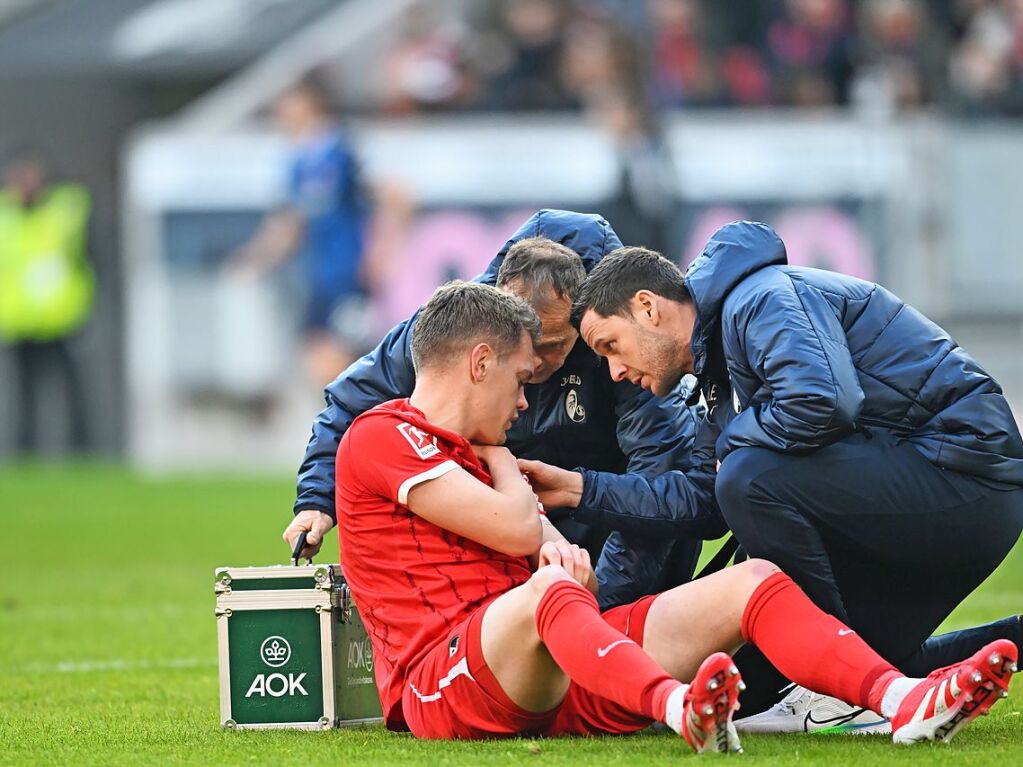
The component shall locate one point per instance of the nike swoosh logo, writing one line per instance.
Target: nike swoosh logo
(602, 651)
(845, 632)
(839, 720)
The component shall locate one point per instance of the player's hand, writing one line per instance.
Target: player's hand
(556, 488)
(315, 524)
(573, 560)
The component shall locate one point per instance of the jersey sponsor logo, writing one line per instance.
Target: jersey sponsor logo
(574, 407)
(275, 651)
(424, 445)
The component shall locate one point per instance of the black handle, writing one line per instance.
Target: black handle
(296, 553)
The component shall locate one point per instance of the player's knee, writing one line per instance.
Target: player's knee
(547, 576)
(761, 569)
(752, 573)
(544, 578)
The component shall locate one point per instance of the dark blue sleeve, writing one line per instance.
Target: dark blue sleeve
(668, 489)
(384, 374)
(630, 567)
(795, 344)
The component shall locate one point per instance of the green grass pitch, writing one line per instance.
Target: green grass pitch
(108, 642)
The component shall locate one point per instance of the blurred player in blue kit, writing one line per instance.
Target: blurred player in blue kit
(322, 224)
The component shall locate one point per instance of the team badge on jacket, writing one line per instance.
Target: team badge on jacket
(574, 407)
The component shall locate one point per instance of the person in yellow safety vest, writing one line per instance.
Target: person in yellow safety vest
(46, 287)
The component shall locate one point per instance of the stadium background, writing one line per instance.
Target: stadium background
(881, 137)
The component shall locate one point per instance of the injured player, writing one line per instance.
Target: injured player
(483, 618)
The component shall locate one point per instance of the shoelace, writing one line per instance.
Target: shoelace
(795, 695)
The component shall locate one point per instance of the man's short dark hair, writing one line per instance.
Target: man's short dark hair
(460, 315)
(620, 275)
(539, 266)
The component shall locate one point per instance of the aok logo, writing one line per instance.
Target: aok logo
(276, 685)
(275, 651)
(360, 654)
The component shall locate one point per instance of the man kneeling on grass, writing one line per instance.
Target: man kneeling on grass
(483, 618)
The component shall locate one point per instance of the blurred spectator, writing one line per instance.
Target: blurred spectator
(642, 204)
(986, 67)
(901, 57)
(601, 54)
(746, 79)
(684, 69)
(524, 57)
(323, 224)
(808, 45)
(46, 291)
(426, 69)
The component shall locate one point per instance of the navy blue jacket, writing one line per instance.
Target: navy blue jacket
(616, 428)
(813, 355)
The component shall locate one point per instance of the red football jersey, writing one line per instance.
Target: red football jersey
(411, 580)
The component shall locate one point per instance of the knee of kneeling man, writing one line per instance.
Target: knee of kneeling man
(735, 476)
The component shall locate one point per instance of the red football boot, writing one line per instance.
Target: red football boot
(952, 697)
(708, 706)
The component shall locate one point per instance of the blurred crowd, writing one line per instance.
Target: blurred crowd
(963, 56)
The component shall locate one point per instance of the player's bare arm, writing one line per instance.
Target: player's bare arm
(554, 548)
(503, 517)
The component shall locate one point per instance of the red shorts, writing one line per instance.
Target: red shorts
(452, 694)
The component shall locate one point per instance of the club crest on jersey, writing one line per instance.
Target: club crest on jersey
(574, 407)
(424, 445)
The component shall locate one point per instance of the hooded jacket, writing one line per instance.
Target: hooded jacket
(812, 356)
(635, 450)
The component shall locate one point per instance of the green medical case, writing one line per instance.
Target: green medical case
(293, 652)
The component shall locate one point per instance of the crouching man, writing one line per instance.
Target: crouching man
(483, 618)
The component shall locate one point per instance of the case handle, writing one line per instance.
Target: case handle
(296, 553)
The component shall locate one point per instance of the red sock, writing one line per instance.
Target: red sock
(597, 656)
(812, 648)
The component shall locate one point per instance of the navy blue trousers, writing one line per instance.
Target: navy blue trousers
(877, 536)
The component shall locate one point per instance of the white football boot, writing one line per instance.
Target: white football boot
(803, 710)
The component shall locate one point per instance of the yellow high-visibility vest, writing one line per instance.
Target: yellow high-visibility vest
(46, 283)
